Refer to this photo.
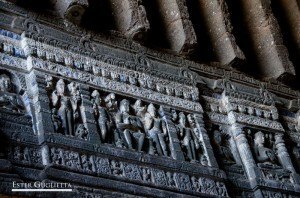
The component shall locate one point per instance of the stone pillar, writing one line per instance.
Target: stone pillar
(271, 54)
(245, 152)
(234, 149)
(284, 157)
(283, 154)
(130, 18)
(215, 15)
(40, 101)
(88, 116)
(203, 136)
(72, 10)
(174, 146)
(178, 28)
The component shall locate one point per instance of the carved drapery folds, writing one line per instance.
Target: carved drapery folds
(178, 29)
(215, 14)
(65, 102)
(130, 18)
(71, 10)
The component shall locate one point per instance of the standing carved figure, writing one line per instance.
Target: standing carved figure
(188, 139)
(8, 99)
(104, 120)
(75, 101)
(263, 154)
(157, 131)
(62, 109)
(131, 126)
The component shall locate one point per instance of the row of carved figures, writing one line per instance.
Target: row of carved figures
(133, 126)
(139, 127)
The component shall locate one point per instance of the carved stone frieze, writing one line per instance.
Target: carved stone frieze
(107, 83)
(255, 121)
(107, 113)
(98, 165)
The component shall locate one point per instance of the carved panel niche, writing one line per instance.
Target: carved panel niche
(65, 105)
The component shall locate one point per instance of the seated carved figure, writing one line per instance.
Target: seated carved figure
(222, 148)
(263, 154)
(8, 99)
(130, 125)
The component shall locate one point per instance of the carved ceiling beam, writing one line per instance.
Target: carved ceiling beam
(71, 10)
(214, 13)
(178, 28)
(291, 11)
(130, 18)
(263, 29)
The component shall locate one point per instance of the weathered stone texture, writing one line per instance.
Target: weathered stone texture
(116, 119)
(215, 14)
(271, 54)
(130, 18)
(72, 10)
(178, 28)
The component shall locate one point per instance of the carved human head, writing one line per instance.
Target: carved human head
(151, 110)
(95, 94)
(259, 138)
(217, 137)
(203, 160)
(124, 106)
(182, 118)
(5, 83)
(138, 108)
(60, 86)
(174, 115)
(137, 104)
(191, 119)
(110, 100)
(72, 87)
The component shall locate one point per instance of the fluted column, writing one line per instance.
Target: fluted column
(271, 54)
(41, 111)
(234, 150)
(215, 15)
(178, 28)
(284, 157)
(283, 154)
(245, 152)
(130, 18)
